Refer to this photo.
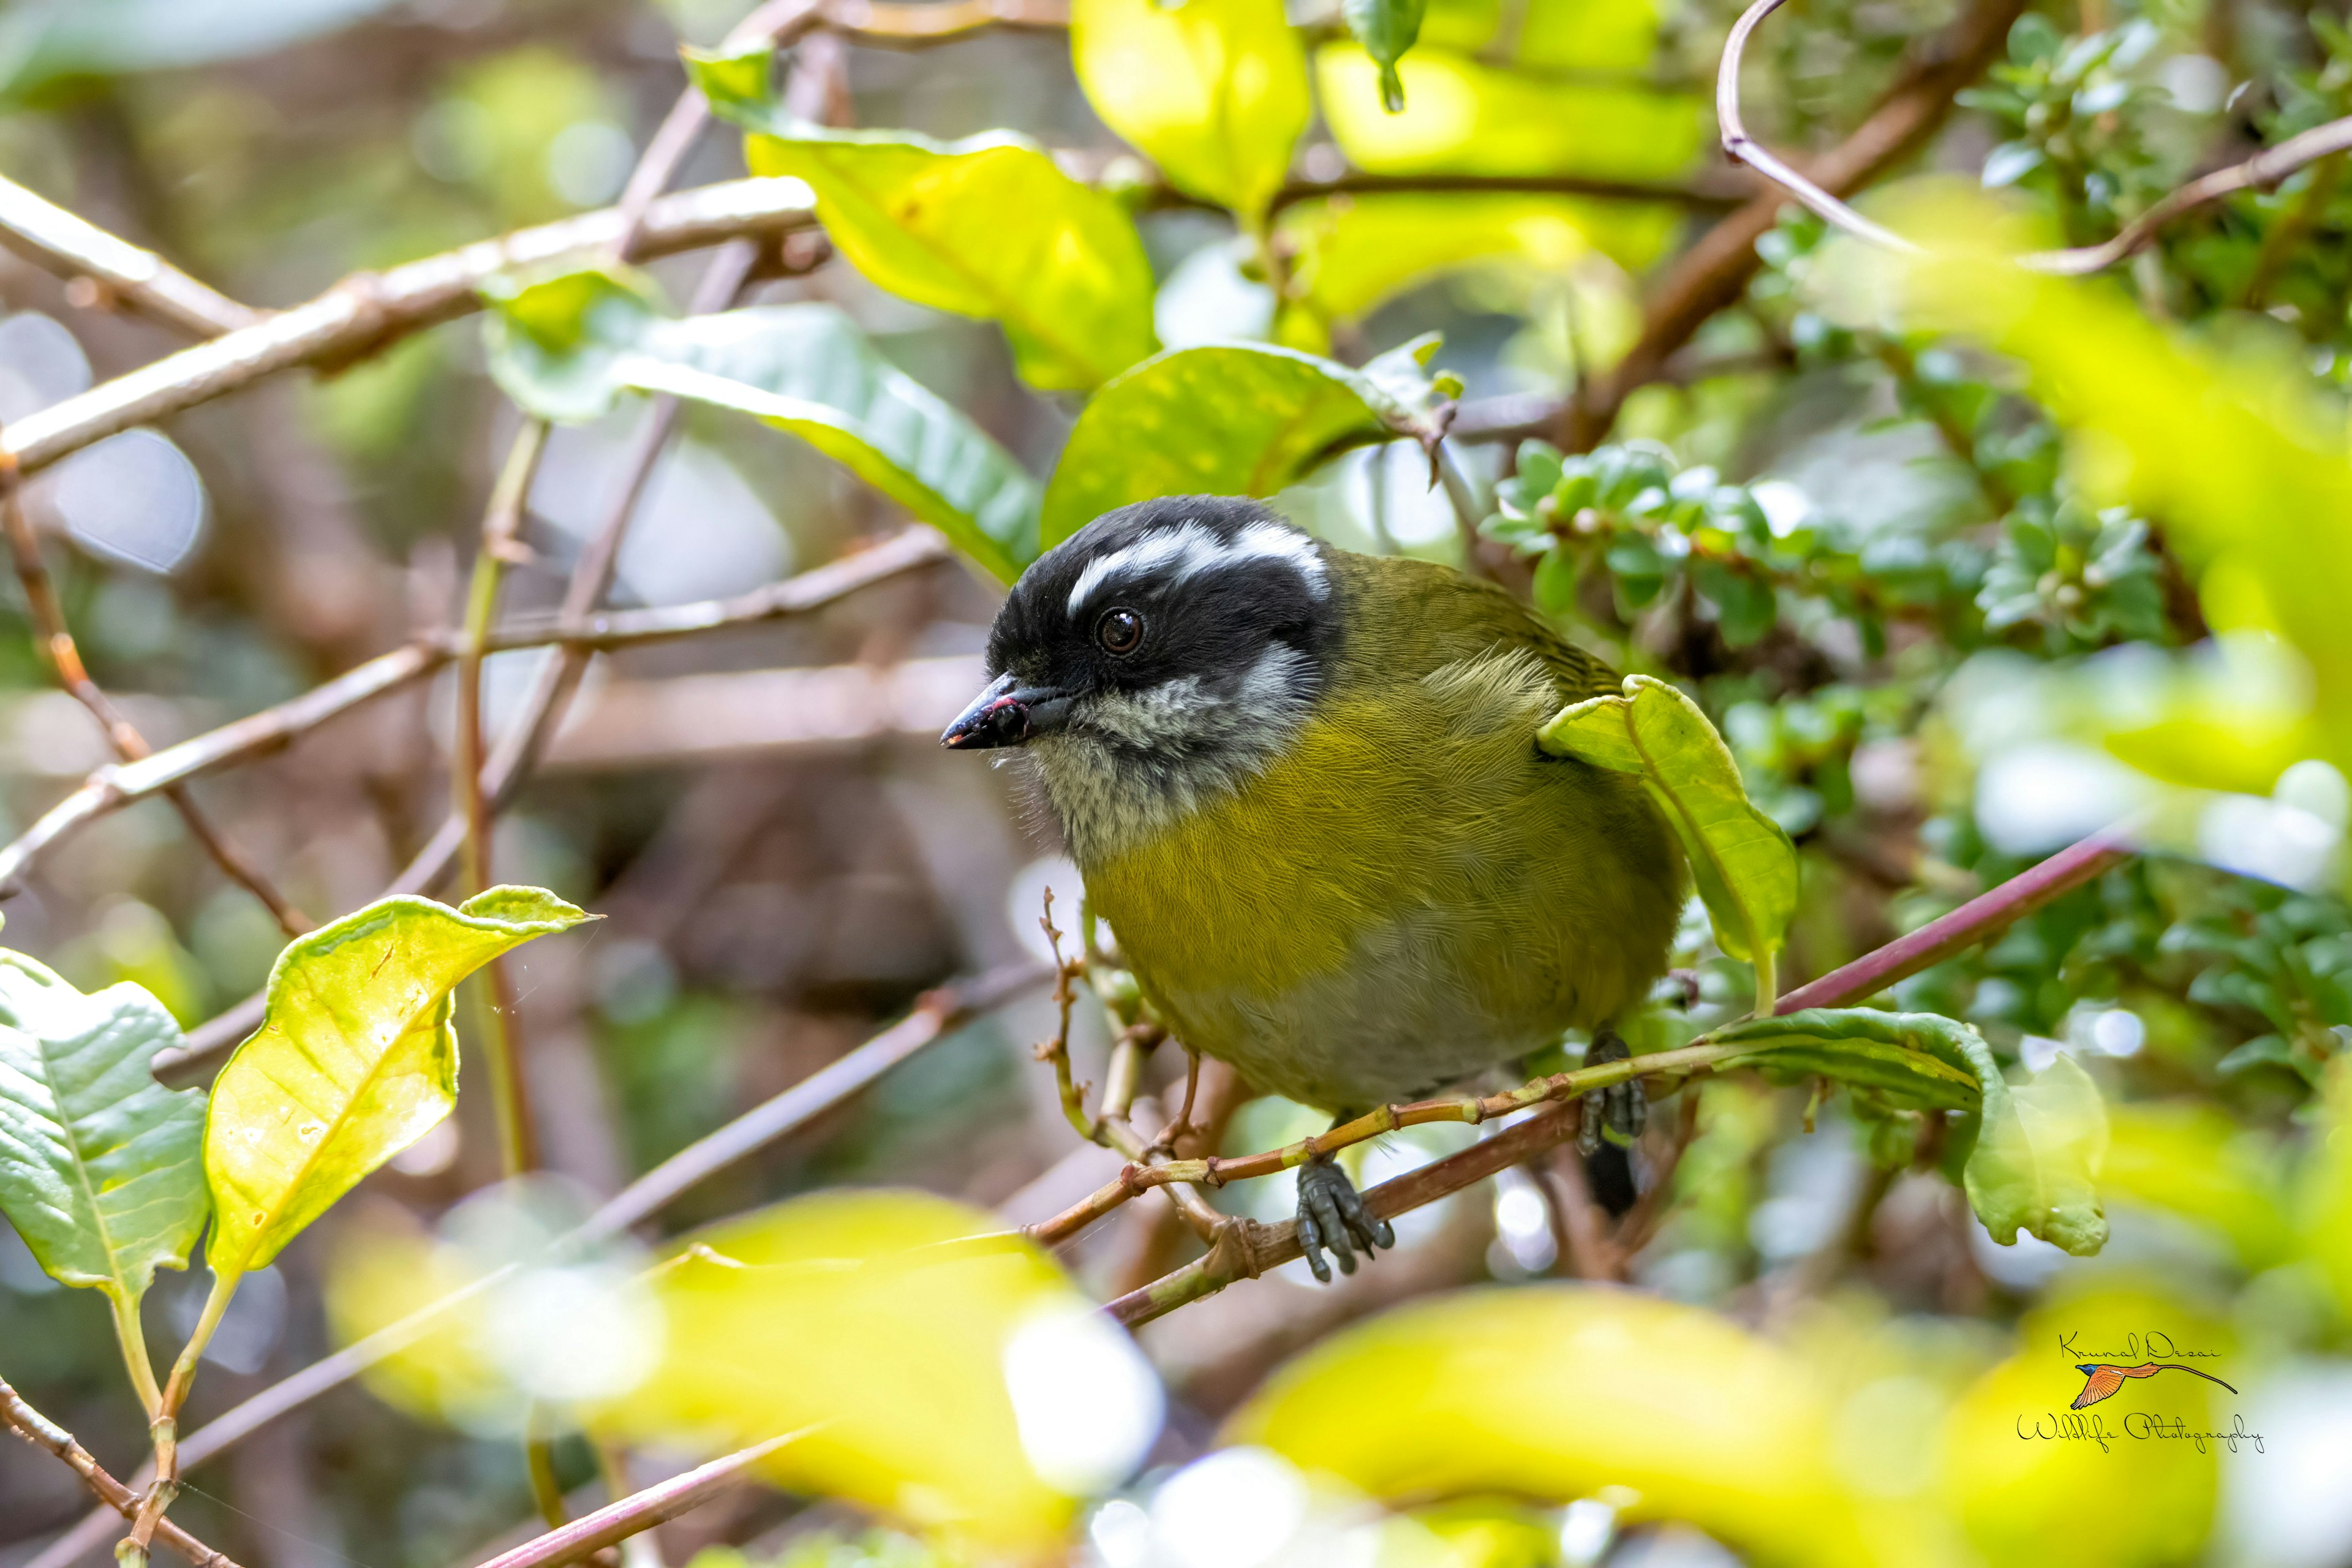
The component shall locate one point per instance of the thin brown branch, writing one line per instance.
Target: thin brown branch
(365, 311)
(1253, 1249)
(42, 1432)
(114, 272)
(1711, 274)
(2263, 170)
(632, 1515)
(110, 788)
(54, 639)
(1700, 196)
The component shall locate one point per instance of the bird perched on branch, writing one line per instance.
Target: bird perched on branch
(1303, 787)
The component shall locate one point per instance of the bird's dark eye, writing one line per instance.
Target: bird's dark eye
(1119, 631)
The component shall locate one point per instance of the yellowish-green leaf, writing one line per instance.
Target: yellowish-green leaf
(100, 1167)
(1214, 91)
(910, 1336)
(1589, 37)
(1353, 255)
(355, 1059)
(1554, 1393)
(1745, 866)
(1226, 419)
(988, 226)
(1465, 117)
(2037, 1158)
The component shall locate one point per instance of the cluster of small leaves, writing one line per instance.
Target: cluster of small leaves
(1659, 530)
(2056, 577)
(2084, 120)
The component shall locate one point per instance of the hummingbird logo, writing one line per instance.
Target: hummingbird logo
(2101, 1379)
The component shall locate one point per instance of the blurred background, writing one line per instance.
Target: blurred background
(1859, 542)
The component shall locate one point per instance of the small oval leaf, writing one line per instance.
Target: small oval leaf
(1743, 863)
(355, 1059)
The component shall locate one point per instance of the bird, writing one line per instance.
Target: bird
(1302, 787)
(2101, 1379)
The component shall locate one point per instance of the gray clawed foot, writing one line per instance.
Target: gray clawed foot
(1620, 1109)
(1332, 1214)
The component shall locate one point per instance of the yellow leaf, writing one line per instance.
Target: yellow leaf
(355, 1059)
(1463, 117)
(1554, 1393)
(922, 1351)
(1214, 91)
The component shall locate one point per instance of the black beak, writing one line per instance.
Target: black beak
(1005, 715)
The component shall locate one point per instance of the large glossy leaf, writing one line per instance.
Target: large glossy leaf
(1745, 866)
(100, 1166)
(2036, 1162)
(948, 1377)
(988, 227)
(355, 1059)
(562, 346)
(1386, 29)
(1914, 1060)
(1224, 419)
(1462, 116)
(1214, 91)
(1554, 1392)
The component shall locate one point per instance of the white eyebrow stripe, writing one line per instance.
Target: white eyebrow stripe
(1190, 549)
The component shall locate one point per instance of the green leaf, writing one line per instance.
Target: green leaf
(1916, 1061)
(2037, 1159)
(1466, 117)
(553, 336)
(988, 227)
(1224, 419)
(2038, 1147)
(1214, 91)
(564, 346)
(101, 1169)
(1386, 29)
(808, 370)
(741, 80)
(355, 1059)
(1745, 866)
